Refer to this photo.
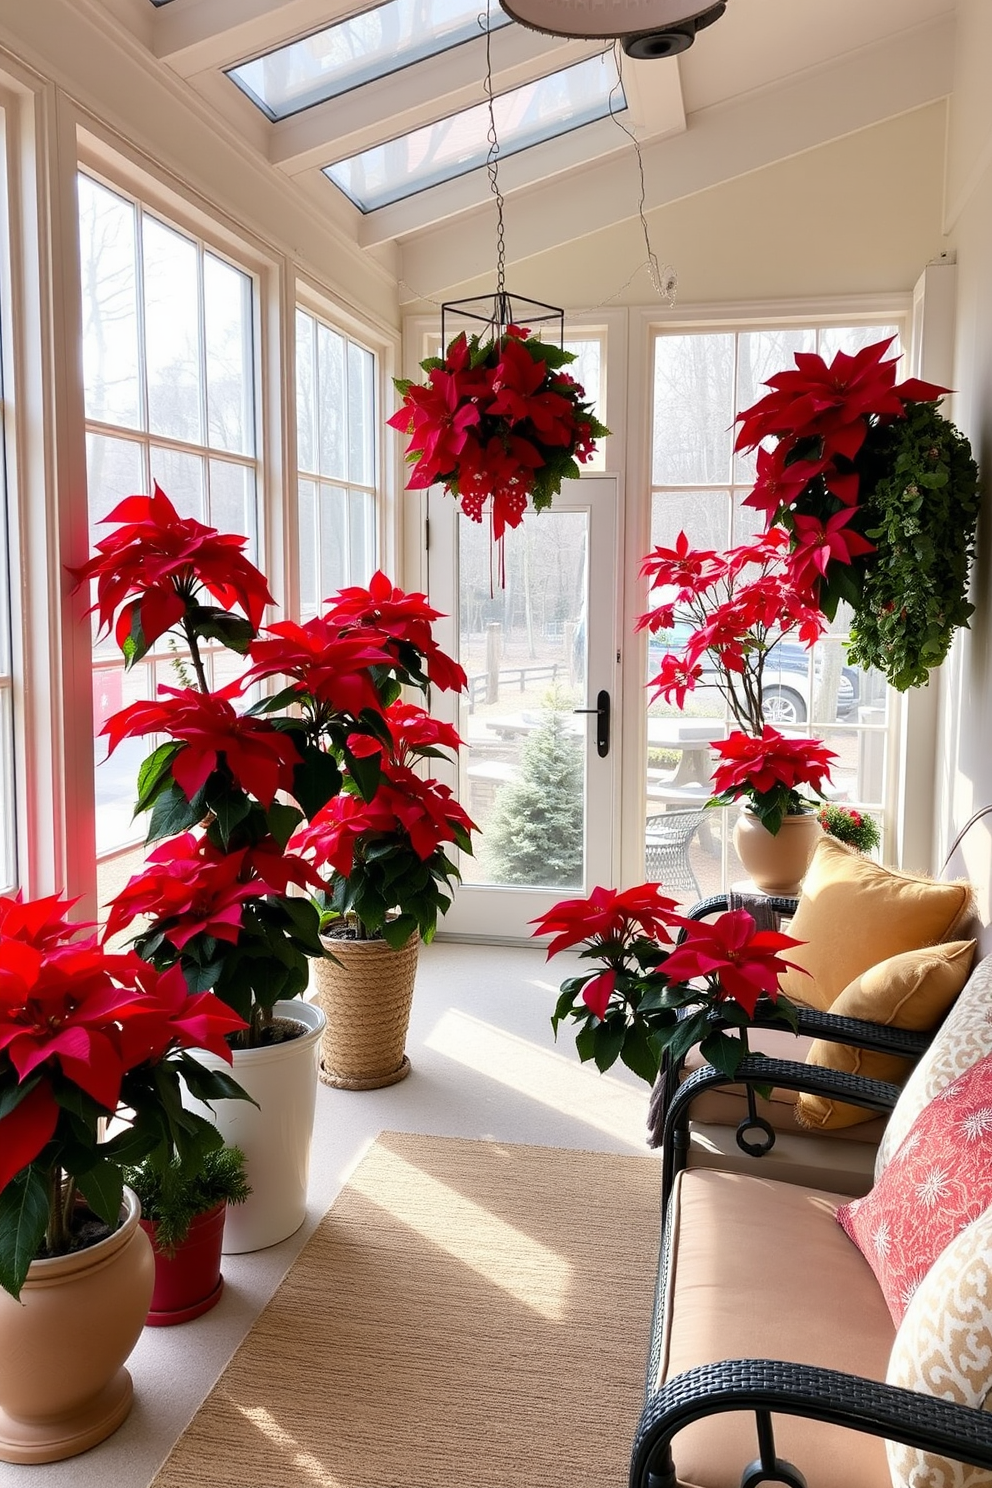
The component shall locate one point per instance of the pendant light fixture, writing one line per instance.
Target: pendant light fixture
(646, 28)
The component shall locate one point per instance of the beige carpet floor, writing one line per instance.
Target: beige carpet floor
(467, 1315)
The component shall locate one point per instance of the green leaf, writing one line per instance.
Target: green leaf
(230, 809)
(155, 773)
(723, 1051)
(23, 1217)
(685, 1033)
(585, 1041)
(283, 820)
(397, 932)
(608, 1040)
(103, 1189)
(366, 771)
(213, 624)
(210, 1085)
(316, 780)
(172, 813)
(638, 1054)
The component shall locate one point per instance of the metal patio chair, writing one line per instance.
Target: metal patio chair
(667, 839)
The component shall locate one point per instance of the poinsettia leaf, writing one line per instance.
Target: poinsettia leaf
(638, 1054)
(608, 1040)
(282, 820)
(685, 1032)
(366, 771)
(210, 1085)
(130, 1146)
(213, 624)
(102, 1186)
(397, 932)
(585, 1041)
(316, 780)
(172, 813)
(723, 1051)
(23, 1217)
(155, 773)
(230, 808)
(283, 699)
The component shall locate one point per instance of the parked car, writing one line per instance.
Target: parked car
(789, 677)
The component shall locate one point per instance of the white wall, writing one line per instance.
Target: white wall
(964, 774)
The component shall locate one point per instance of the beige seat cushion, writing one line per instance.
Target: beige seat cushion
(914, 991)
(763, 1270)
(728, 1107)
(854, 913)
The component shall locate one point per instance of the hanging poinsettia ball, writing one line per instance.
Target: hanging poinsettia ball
(497, 422)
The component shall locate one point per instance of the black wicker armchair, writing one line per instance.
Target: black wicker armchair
(787, 1415)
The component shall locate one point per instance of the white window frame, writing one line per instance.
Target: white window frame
(894, 309)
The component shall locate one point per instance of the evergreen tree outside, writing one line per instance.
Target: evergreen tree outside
(534, 836)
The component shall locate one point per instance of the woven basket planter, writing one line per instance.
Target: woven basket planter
(365, 996)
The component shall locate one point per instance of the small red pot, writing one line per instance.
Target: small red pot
(189, 1282)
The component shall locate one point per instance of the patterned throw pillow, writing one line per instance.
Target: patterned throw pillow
(944, 1347)
(964, 1038)
(938, 1181)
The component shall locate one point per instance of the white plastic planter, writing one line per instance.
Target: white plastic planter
(275, 1135)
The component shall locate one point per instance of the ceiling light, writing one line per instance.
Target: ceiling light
(647, 28)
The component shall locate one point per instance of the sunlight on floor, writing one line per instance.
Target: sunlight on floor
(556, 1080)
(307, 1464)
(495, 1250)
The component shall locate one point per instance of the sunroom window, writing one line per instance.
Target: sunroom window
(701, 380)
(337, 458)
(169, 384)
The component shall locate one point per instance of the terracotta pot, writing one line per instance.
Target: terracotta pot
(275, 1134)
(63, 1385)
(776, 863)
(188, 1282)
(366, 995)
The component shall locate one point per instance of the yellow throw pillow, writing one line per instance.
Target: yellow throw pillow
(912, 991)
(853, 913)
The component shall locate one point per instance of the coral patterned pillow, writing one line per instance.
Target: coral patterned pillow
(939, 1180)
(944, 1347)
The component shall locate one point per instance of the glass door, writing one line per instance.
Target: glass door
(538, 772)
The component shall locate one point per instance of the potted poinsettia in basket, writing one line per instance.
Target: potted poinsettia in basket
(385, 877)
(499, 421)
(86, 1037)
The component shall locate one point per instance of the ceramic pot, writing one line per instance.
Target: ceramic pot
(776, 863)
(366, 994)
(275, 1134)
(63, 1385)
(188, 1282)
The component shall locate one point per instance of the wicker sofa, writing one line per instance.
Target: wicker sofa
(772, 1340)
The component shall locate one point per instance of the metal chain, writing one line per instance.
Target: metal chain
(664, 279)
(492, 163)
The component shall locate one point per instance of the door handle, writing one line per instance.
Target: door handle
(602, 712)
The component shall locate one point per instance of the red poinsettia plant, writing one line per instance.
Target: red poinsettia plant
(878, 493)
(738, 606)
(221, 894)
(498, 421)
(647, 994)
(380, 864)
(86, 1035)
(769, 772)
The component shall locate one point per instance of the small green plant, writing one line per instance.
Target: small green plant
(850, 826)
(175, 1196)
(534, 835)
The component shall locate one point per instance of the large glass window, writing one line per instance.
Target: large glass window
(701, 380)
(169, 385)
(8, 837)
(337, 457)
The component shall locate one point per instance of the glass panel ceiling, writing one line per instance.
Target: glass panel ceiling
(439, 152)
(358, 50)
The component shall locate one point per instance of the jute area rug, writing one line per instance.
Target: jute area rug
(467, 1315)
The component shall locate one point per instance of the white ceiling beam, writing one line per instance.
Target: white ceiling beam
(719, 144)
(193, 35)
(656, 112)
(404, 100)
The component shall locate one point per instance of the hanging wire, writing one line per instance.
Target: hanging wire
(664, 279)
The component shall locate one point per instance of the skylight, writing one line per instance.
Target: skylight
(451, 147)
(358, 50)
